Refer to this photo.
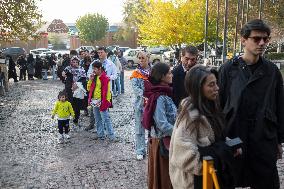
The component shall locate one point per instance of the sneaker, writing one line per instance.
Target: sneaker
(66, 136)
(60, 139)
(139, 157)
(115, 139)
(96, 137)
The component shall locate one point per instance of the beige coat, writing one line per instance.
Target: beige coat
(184, 158)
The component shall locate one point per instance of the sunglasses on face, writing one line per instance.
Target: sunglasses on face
(257, 39)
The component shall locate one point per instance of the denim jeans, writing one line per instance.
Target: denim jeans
(54, 74)
(45, 74)
(103, 121)
(116, 86)
(122, 81)
(139, 134)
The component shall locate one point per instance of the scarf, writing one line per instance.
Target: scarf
(145, 72)
(77, 73)
(141, 73)
(152, 92)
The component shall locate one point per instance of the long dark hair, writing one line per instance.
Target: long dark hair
(157, 72)
(194, 81)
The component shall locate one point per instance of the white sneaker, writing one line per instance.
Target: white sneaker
(66, 136)
(139, 157)
(60, 139)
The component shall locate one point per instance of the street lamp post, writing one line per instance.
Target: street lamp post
(224, 51)
(206, 30)
(236, 27)
(260, 9)
(247, 11)
(217, 26)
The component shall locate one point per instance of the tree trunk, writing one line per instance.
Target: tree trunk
(278, 47)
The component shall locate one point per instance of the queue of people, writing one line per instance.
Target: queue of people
(243, 99)
(192, 111)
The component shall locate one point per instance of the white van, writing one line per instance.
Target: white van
(131, 56)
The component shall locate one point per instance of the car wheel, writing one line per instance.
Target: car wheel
(130, 63)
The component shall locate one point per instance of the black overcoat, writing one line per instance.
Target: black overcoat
(178, 84)
(253, 103)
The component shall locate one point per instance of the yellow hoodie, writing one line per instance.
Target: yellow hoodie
(63, 110)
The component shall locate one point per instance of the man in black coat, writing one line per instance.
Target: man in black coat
(188, 59)
(251, 95)
(22, 63)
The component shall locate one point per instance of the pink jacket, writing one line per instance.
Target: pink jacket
(105, 104)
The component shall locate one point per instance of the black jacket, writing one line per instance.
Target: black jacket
(253, 104)
(178, 84)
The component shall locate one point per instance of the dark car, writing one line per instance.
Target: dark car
(123, 49)
(14, 52)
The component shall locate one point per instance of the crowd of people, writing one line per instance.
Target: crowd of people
(31, 67)
(194, 110)
(92, 80)
(188, 113)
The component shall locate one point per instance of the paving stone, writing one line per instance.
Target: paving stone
(31, 157)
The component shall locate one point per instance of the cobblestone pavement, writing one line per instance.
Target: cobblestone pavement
(30, 156)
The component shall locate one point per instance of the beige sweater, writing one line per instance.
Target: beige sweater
(184, 158)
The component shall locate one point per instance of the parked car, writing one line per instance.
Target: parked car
(3, 49)
(89, 48)
(157, 54)
(123, 49)
(50, 46)
(14, 52)
(42, 52)
(112, 48)
(131, 56)
(170, 56)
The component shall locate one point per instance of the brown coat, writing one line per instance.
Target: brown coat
(184, 158)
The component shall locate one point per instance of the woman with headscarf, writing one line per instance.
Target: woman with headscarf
(75, 84)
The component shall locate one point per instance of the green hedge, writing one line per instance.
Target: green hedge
(275, 56)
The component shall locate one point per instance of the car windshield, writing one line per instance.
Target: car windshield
(35, 52)
(15, 50)
(43, 50)
(158, 50)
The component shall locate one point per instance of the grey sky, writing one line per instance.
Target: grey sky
(70, 10)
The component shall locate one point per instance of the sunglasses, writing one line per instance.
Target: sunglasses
(141, 58)
(257, 39)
